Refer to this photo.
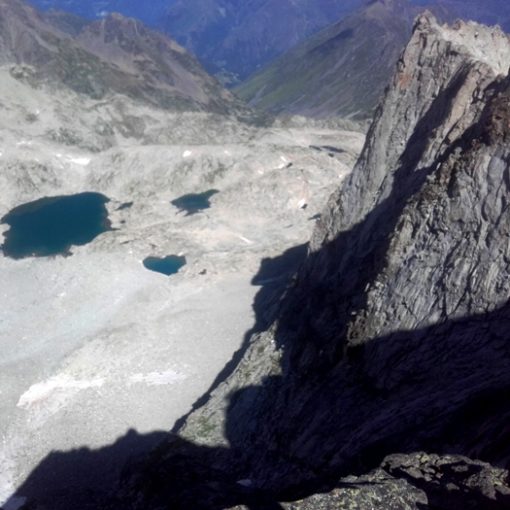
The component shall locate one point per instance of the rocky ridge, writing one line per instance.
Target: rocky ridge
(338, 71)
(231, 38)
(393, 338)
(114, 55)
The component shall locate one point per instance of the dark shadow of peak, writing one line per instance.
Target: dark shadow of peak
(86, 479)
(279, 267)
(442, 389)
(82, 479)
(273, 278)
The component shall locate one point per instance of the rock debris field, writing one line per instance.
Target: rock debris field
(95, 344)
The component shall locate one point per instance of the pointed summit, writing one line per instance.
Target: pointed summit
(424, 21)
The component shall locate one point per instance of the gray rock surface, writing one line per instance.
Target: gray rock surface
(414, 482)
(393, 338)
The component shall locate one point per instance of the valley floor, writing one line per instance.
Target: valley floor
(95, 345)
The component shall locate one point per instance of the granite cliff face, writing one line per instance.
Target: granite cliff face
(393, 338)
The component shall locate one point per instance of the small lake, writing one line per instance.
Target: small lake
(194, 202)
(166, 265)
(51, 225)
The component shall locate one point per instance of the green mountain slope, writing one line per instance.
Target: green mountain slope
(340, 71)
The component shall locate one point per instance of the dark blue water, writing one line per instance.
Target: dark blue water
(51, 225)
(194, 202)
(167, 265)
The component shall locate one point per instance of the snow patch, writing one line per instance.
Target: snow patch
(43, 390)
(245, 239)
(284, 163)
(158, 378)
(82, 161)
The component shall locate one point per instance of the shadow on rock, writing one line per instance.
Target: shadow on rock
(83, 478)
(273, 278)
(293, 436)
(345, 423)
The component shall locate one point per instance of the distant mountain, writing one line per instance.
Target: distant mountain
(150, 12)
(490, 12)
(240, 36)
(231, 37)
(342, 70)
(235, 38)
(111, 55)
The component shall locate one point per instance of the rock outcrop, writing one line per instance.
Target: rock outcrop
(393, 339)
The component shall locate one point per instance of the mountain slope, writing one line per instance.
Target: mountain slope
(148, 12)
(241, 36)
(159, 64)
(491, 12)
(341, 71)
(235, 38)
(113, 55)
(393, 338)
(230, 36)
